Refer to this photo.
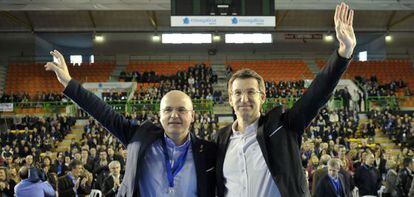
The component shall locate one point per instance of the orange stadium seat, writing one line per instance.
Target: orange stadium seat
(275, 69)
(32, 78)
(160, 67)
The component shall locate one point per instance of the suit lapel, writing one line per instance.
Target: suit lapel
(260, 137)
(342, 182)
(223, 143)
(199, 163)
(330, 183)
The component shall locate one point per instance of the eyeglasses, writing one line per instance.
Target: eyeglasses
(248, 92)
(179, 110)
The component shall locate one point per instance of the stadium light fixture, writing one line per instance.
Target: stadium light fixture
(216, 38)
(99, 38)
(178, 38)
(388, 38)
(328, 38)
(241, 38)
(156, 38)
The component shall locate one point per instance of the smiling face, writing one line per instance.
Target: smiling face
(176, 114)
(246, 99)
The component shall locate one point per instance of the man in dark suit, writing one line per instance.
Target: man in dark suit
(86, 160)
(260, 155)
(112, 156)
(112, 182)
(405, 176)
(59, 166)
(77, 182)
(320, 172)
(333, 183)
(367, 177)
(149, 170)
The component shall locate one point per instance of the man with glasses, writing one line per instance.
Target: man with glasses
(167, 161)
(259, 155)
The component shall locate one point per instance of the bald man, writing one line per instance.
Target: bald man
(167, 161)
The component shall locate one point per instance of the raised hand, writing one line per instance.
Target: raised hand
(344, 31)
(60, 69)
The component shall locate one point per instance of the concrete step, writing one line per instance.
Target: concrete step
(62, 149)
(222, 109)
(76, 133)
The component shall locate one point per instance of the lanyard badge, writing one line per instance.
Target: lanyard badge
(176, 167)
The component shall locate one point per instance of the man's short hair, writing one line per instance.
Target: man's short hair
(324, 159)
(113, 163)
(74, 163)
(407, 161)
(246, 74)
(24, 172)
(334, 162)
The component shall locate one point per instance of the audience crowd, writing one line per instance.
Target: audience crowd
(372, 87)
(398, 126)
(25, 97)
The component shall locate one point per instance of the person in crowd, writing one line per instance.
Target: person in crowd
(333, 183)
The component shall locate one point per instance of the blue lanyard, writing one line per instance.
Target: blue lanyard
(172, 171)
(337, 186)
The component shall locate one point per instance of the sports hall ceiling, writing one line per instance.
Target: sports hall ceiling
(154, 15)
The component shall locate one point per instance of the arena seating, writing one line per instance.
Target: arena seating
(32, 77)
(160, 67)
(275, 69)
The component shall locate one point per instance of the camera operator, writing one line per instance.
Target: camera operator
(77, 182)
(33, 184)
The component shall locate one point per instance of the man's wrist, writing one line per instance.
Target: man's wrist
(66, 82)
(345, 52)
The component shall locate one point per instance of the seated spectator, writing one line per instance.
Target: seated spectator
(113, 181)
(6, 183)
(77, 182)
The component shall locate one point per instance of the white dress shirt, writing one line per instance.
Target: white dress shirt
(245, 169)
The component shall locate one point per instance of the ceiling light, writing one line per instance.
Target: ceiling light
(328, 38)
(156, 38)
(240, 38)
(216, 38)
(99, 38)
(388, 38)
(177, 38)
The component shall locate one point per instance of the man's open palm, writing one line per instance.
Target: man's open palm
(344, 31)
(60, 68)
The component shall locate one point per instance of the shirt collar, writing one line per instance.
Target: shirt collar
(252, 128)
(333, 179)
(170, 143)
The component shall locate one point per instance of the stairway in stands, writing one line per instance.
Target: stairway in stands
(76, 133)
(221, 85)
(312, 66)
(380, 136)
(114, 76)
(3, 77)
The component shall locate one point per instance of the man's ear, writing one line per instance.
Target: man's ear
(263, 98)
(192, 116)
(230, 101)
